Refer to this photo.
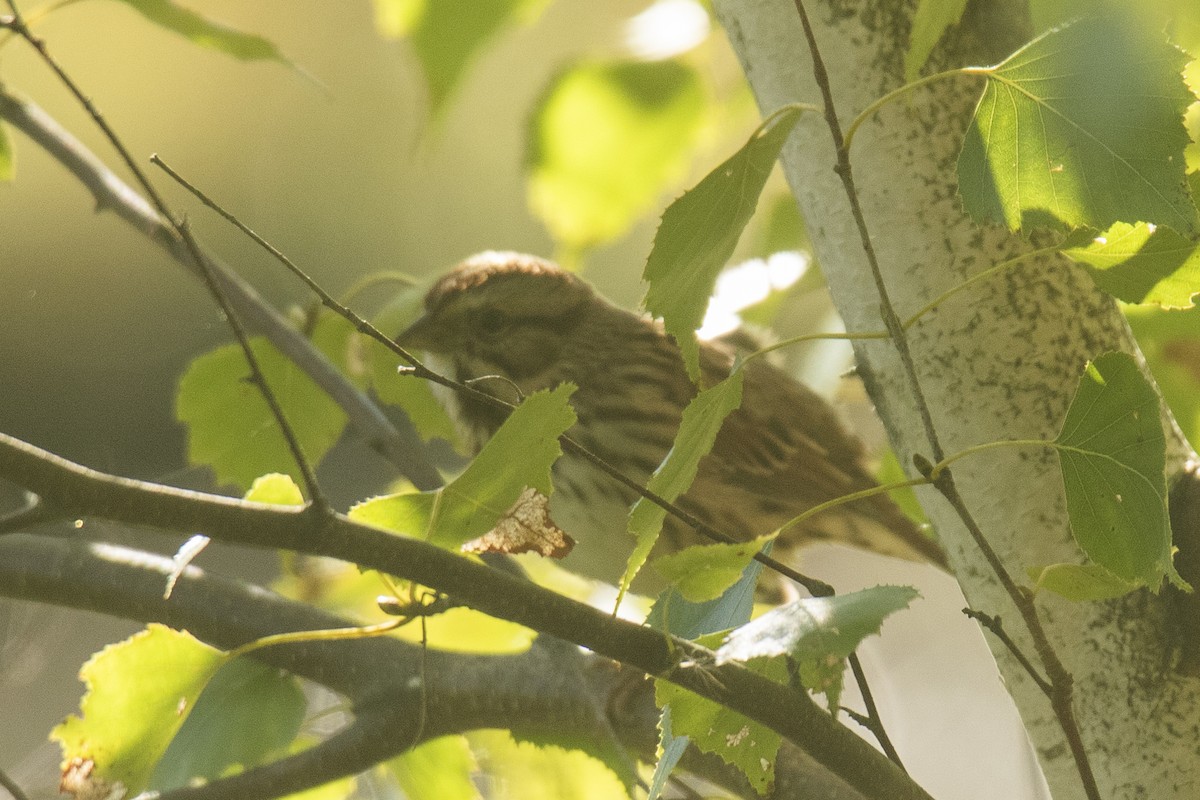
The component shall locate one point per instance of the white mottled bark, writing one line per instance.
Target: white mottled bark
(998, 362)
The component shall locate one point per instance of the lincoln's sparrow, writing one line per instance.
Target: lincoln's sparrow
(533, 326)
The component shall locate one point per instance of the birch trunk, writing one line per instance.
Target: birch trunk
(999, 361)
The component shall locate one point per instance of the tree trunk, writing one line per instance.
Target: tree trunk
(999, 361)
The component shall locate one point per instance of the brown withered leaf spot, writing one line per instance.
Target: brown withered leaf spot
(525, 528)
(78, 781)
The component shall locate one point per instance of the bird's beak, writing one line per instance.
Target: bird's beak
(421, 335)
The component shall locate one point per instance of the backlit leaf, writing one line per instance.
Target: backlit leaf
(1113, 454)
(748, 745)
(520, 770)
(1082, 127)
(139, 692)
(447, 37)
(439, 769)
(606, 141)
(930, 21)
(518, 456)
(698, 430)
(230, 426)
(673, 614)
(700, 230)
(703, 572)
(247, 715)
(276, 489)
(1143, 264)
(1080, 581)
(205, 32)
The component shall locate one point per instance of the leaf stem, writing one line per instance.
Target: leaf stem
(852, 497)
(976, 278)
(326, 635)
(867, 112)
(813, 337)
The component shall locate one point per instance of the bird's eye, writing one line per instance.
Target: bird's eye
(491, 321)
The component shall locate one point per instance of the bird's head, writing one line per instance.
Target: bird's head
(500, 314)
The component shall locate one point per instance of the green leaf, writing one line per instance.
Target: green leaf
(521, 770)
(1082, 127)
(6, 156)
(782, 228)
(519, 455)
(439, 769)
(605, 141)
(276, 489)
(673, 614)
(1170, 341)
(206, 33)
(705, 571)
(447, 37)
(230, 426)
(1112, 453)
(247, 715)
(139, 693)
(1143, 264)
(700, 230)
(1080, 582)
(931, 20)
(698, 430)
(670, 750)
(747, 745)
(816, 628)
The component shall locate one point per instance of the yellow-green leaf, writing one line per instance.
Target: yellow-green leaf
(447, 37)
(1142, 264)
(698, 430)
(930, 21)
(700, 230)
(704, 571)
(247, 715)
(230, 426)
(439, 769)
(277, 489)
(518, 456)
(606, 141)
(206, 32)
(139, 692)
(1080, 581)
(747, 745)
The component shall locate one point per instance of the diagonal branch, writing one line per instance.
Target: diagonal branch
(400, 446)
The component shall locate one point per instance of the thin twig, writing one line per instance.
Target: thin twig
(316, 497)
(872, 721)
(994, 625)
(1061, 698)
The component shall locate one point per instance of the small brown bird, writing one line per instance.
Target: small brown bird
(522, 324)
